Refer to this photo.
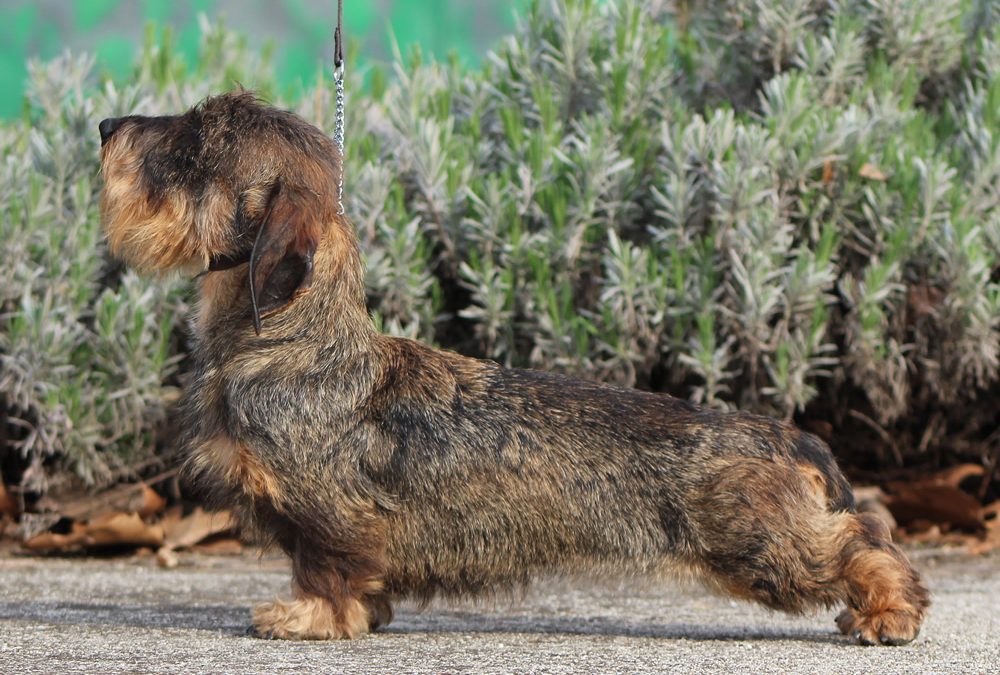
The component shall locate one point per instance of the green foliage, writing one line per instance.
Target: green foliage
(767, 205)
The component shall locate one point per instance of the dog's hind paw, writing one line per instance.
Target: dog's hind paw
(890, 627)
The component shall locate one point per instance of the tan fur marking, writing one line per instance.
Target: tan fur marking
(311, 618)
(212, 286)
(815, 481)
(237, 465)
(151, 237)
(156, 236)
(214, 213)
(218, 294)
(254, 201)
(256, 479)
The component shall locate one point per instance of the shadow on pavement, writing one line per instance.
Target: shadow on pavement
(471, 622)
(211, 617)
(235, 620)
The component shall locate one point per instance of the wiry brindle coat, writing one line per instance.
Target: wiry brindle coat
(388, 469)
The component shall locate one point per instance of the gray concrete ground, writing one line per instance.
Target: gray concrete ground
(127, 615)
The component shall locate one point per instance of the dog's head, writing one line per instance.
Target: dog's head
(230, 181)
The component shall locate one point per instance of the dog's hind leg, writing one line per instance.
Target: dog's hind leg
(886, 600)
(764, 531)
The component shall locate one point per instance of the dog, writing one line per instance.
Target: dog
(387, 469)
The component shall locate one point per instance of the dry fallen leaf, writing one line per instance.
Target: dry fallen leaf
(991, 540)
(82, 506)
(828, 172)
(8, 505)
(196, 527)
(954, 475)
(165, 557)
(923, 301)
(113, 529)
(991, 514)
(939, 500)
(125, 528)
(871, 171)
(934, 502)
(223, 546)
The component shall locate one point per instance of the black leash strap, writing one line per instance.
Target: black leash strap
(338, 37)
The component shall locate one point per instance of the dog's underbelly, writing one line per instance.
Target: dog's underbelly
(474, 542)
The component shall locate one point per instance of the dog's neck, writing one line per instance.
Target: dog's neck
(334, 307)
(331, 314)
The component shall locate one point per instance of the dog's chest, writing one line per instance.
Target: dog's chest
(236, 466)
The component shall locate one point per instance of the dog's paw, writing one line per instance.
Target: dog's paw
(379, 613)
(890, 627)
(309, 619)
(845, 621)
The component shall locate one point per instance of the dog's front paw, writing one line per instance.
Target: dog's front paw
(890, 627)
(845, 621)
(379, 612)
(309, 619)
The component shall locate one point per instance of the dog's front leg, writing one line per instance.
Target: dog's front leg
(336, 595)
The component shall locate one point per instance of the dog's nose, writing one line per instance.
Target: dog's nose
(107, 127)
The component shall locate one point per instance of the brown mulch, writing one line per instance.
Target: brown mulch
(133, 518)
(942, 508)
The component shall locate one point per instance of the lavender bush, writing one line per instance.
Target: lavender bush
(791, 207)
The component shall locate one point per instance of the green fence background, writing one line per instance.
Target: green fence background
(300, 30)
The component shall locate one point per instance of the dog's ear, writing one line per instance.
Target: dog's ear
(281, 262)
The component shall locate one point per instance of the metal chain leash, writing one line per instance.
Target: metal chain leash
(338, 79)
